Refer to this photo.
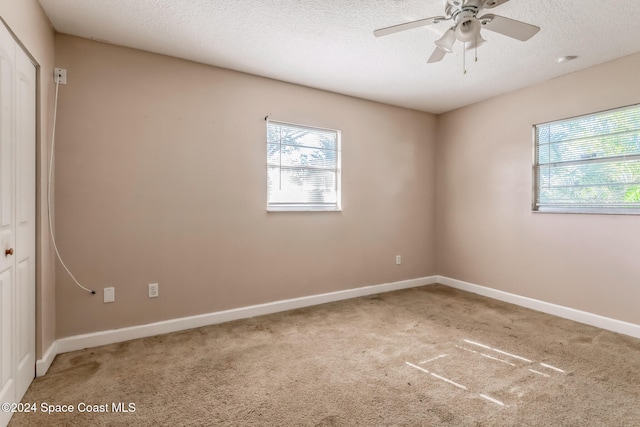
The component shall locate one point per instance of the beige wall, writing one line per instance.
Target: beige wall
(28, 21)
(161, 177)
(487, 233)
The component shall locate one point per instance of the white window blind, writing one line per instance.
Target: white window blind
(589, 163)
(303, 168)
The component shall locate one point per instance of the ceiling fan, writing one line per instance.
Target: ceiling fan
(467, 25)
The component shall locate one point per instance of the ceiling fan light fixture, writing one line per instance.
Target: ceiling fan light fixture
(479, 41)
(468, 29)
(447, 40)
(468, 23)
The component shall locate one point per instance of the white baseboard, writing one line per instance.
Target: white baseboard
(95, 339)
(545, 307)
(79, 342)
(42, 365)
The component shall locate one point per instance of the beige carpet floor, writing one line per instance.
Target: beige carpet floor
(420, 357)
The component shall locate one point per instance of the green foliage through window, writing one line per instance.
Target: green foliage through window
(303, 167)
(589, 163)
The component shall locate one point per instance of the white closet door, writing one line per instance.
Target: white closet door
(25, 214)
(17, 221)
(7, 222)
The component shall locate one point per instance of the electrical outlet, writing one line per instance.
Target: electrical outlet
(60, 76)
(398, 260)
(153, 290)
(109, 294)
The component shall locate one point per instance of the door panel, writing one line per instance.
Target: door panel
(7, 53)
(17, 221)
(7, 370)
(7, 228)
(25, 197)
(25, 326)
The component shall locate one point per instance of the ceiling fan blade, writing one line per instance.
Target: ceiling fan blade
(409, 25)
(490, 4)
(436, 56)
(509, 27)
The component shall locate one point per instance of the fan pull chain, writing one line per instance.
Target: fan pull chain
(464, 58)
(476, 49)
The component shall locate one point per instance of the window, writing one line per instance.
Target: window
(303, 168)
(589, 164)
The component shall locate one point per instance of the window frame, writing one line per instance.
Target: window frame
(308, 207)
(599, 210)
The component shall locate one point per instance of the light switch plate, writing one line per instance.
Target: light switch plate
(109, 294)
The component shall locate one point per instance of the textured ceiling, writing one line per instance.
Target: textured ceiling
(329, 44)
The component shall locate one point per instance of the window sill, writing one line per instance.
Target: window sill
(301, 209)
(589, 211)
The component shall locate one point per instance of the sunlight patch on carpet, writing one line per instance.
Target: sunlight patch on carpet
(491, 399)
(498, 351)
(438, 376)
(495, 375)
(539, 373)
(552, 367)
(433, 358)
